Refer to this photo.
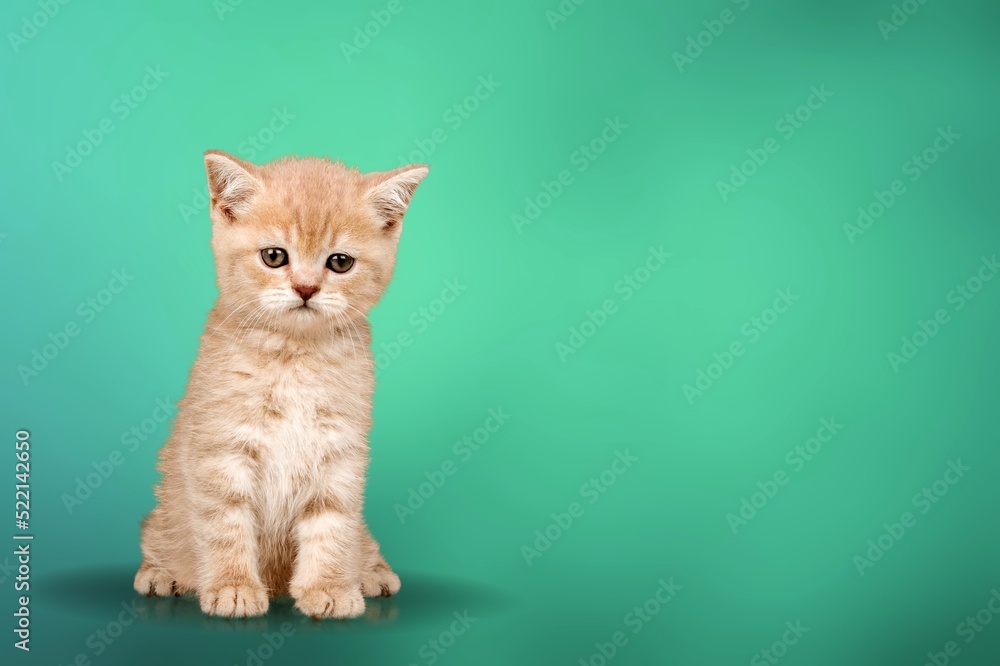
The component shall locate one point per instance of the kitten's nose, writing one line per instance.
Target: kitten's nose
(305, 291)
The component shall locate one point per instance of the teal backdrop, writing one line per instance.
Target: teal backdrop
(690, 357)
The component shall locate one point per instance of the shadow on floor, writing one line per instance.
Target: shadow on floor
(105, 593)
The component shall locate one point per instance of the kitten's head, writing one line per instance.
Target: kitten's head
(304, 245)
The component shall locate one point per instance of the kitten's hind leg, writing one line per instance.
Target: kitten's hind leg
(154, 578)
(154, 581)
(377, 578)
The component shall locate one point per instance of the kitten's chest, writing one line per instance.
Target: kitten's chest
(305, 421)
(307, 411)
(304, 408)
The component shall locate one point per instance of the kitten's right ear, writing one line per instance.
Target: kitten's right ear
(232, 183)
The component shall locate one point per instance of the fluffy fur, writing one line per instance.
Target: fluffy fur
(264, 470)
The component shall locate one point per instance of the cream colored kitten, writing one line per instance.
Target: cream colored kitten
(264, 471)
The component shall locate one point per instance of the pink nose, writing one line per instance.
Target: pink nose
(305, 291)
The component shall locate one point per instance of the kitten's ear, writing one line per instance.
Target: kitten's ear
(232, 183)
(392, 192)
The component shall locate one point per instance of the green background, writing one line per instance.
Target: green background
(495, 346)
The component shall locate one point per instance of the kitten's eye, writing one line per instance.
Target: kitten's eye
(274, 257)
(340, 263)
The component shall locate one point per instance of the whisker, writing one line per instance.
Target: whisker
(249, 301)
(243, 329)
(354, 350)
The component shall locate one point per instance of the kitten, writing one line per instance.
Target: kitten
(264, 470)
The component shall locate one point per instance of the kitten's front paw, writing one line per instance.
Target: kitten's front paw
(379, 582)
(234, 601)
(338, 602)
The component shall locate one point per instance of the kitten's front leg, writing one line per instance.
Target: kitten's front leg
(229, 579)
(325, 581)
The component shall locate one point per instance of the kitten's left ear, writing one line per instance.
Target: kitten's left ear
(393, 191)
